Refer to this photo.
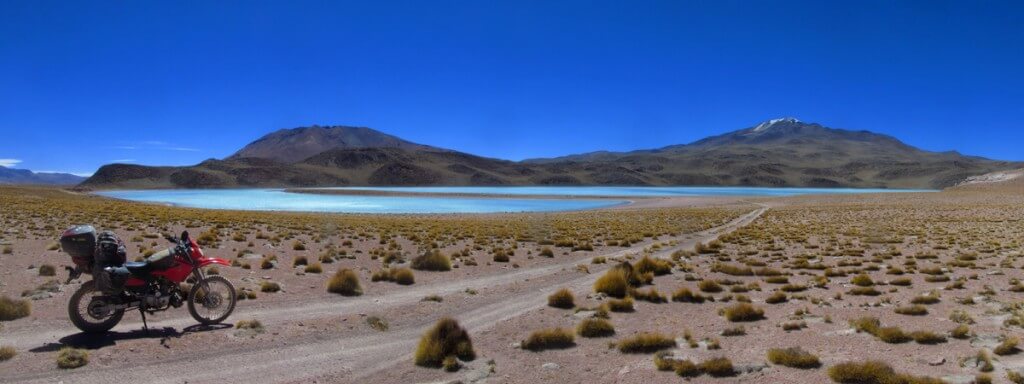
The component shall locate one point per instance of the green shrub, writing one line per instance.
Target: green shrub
(794, 357)
(741, 312)
(445, 339)
(345, 282)
(13, 309)
(70, 358)
(595, 328)
(432, 260)
(562, 299)
(646, 343)
(555, 338)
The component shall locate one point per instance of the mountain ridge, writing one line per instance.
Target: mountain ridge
(782, 152)
(25, 176)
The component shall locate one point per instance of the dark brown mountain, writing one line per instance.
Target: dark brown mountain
(295, 145)
(778, 153)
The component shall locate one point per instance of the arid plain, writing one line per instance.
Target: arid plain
(900, 288)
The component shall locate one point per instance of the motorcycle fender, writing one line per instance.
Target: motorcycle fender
(214, 260)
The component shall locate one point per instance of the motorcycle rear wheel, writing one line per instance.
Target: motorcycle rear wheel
(212, 293)
(86, 321)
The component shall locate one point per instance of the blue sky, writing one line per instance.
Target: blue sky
(172, 83)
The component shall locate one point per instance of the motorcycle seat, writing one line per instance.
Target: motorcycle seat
(138, 268)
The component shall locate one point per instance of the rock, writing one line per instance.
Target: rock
(550, 366)
(937, 361)
(625, 369)
(749, 368)
(584, 314)
(517, 345)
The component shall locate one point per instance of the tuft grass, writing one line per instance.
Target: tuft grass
(432, 260)
(446, 339)
(927, 337)
(794, 357)
(717, 367)
(269, 286)
(314, 268)
(912, 310)
(961, 331)
(13, 309)
(742, 312)
(873, 372)
(554, 338)
(252, 324)
(613, 283)
(595, 328)
(345, 282)
(646, 343)
(402, 276)
(562, 299)
(70, 358)
(777, 298)
(656, 266)
(685, 295)
(620, 305)
(47, 270)
(709, 286)
(7, 353)
(1007, 347)
(377, 323)
(651, 295)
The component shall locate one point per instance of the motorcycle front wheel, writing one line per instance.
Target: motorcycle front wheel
(92, 316)
(211, 300)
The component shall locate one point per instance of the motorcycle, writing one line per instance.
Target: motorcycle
(150, 286)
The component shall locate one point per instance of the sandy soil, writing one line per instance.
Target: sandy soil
(971, 239)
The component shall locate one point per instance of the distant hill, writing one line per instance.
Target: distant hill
(778, 153)
(1010, 181)
(24, 176)
(294, 145)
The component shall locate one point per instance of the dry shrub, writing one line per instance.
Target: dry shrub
(912, 310)
(1007, 347)
(709, 286)
(794, 357)
(656, 266)
(718, 367)
(314, 268)
(595, 328)
(432, 260)
(651, 295)
(445, 339)
(613, 283)
(69, 358)
(403, 276)
(13, 309)
(555, 338)
(620, 305)
(562, 299)
(777, 298)
(741, 312)
(269, 286)
(685, 295)
(345, 282)
(7, 353)
(873, 372)
(927, 337)
(646, 343)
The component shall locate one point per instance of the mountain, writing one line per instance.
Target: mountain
(24, 176)
(295, 145)
(780, 153)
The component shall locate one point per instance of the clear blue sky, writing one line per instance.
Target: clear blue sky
(169, 82)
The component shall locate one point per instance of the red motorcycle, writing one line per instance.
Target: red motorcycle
(150, 286)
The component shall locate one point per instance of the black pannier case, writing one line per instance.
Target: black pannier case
(80, 242)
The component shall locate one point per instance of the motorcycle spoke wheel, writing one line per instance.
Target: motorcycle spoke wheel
(211, 300)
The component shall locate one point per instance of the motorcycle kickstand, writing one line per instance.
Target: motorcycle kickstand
(145, 326)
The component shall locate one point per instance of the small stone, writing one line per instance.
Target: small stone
(550, 366)
(937, 361)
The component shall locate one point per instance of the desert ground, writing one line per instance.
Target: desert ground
(886, 288)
